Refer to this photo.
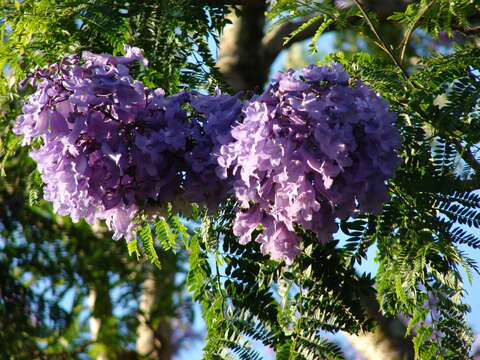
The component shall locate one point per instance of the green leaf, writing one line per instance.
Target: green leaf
(321, 29)
(165, 235)
(132, 248)
(145, 233)
(301, 28)
(8, 147)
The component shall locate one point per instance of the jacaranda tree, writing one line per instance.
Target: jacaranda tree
(256, 199)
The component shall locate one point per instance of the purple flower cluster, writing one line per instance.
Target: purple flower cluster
(112, 147)
(213, 121)
(313, 147)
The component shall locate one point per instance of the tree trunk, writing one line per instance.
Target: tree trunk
(100, 306)
(240, 59)
(155, 331)
(388, 341)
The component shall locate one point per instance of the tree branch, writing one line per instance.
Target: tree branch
(246, 52)
(465, 31)
(466, 155)
(272, 42)
(387, 341)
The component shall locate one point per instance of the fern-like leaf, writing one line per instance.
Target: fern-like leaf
(165, 235)
(145, 233)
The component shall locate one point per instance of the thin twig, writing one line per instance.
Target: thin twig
(466, 31)
(410, 29)
(220, 287)
(383, 46)
(466, 155)
(464, 152)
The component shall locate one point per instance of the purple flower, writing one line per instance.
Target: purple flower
(312, 148)
(112, 146)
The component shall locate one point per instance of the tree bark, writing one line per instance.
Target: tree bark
(239, 58)
(154, 332)
(100, 307)
(388, 341)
